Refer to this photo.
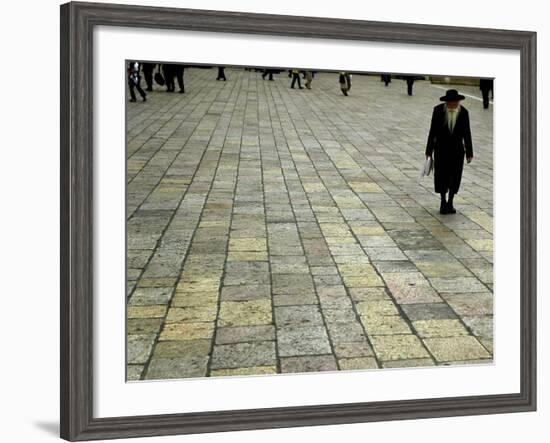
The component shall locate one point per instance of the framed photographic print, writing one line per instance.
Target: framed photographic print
(272, 221)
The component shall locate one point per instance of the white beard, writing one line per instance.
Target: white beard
(451, 117)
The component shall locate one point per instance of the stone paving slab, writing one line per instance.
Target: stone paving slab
(272, 230)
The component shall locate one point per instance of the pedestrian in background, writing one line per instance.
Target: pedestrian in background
(168, 73)
(221, 73)
(296, 78)
(268, 72)
(178, 72)
(386, 78)
(345, 82)
(486, 86)
(148, 69)
(309, 79)
(134, 80)
(449, 140)
(410, 82)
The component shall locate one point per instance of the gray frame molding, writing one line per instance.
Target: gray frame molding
(77, 23)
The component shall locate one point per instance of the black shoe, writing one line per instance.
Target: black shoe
(443, 208)
(182, 91)
(450, 209)
(132, 100)
(144, 98)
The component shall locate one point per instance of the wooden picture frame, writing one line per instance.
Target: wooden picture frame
(77, 23)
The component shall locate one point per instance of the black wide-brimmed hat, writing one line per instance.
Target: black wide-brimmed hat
(452, 95)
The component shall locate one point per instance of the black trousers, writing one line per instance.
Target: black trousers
(148, 74)
(132, 85)
(386, 78)
(168, 73)
(266, 73)
(296, 77)
(178, 70)
(410, 83)
(485, 94)
(221, 73)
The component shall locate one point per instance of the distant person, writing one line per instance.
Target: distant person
(410, 82)
(133, 81)
(448, 141)
(345, 82)
(221, 73)
(268, 72)
(169, 73)
(486, 86)
(309, 79)
(148, 69)
(386, 78)
(296, 78)
(178, 72)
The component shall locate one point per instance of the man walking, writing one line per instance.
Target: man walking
(133, 81)
(221, 73)
(410, 82)
(148, 74)
(296, 78)
(169, 73)
(178, 72)
(449, 140)
(486, 86)
(309, 78)
(268, 72)
(344, 78)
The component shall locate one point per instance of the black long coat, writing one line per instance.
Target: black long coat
(448, 149)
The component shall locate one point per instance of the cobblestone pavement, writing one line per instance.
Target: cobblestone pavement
(276, 230)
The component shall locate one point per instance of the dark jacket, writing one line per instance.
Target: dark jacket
(486, 84)
(448, 149)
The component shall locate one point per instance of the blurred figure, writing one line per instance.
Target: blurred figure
(168, 73)
(386, 78)
(178, 72)
(148, 69)
(296, 78)
(486, 86)
(309, 78)
(345, 82)
(268, 72)
(410, 82)
(221, 73)
(133, 81)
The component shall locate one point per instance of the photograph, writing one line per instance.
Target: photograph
(273, 220)
(286, 220)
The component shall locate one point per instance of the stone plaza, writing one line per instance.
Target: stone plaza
(277, 230)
